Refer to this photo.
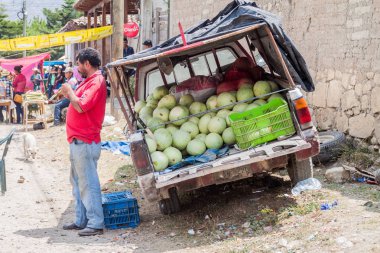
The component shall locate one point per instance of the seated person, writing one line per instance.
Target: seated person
(70, 79)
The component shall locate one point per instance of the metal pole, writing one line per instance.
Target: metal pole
(24, 18)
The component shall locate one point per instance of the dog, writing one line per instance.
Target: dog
(30, 146)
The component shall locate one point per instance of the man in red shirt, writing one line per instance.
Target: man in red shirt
(83, 125)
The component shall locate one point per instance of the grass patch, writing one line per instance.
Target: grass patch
(360, 191)
(124, 179)
(358, 154)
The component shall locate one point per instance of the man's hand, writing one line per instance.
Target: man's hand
(68, 92)
(66, 89)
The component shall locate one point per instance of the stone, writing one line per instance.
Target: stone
(333, 94)
(325, 118)
(358, 89)
(377, 130)
(337, 175)
(361, 35)
(342, 123)
(361, 126)
(330, 74)
(349, 100)
(346, 77)
(320, 94)
(375, 100)
(376, 79)
(370, 75)
(343, 242)
(356, 110)
(349, 112)
(364, 102)
(353, 80)
(338, 75)
(374, 140)
(367, 87)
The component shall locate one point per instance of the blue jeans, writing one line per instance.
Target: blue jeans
(50, 91)
(19, 110)
(86, 186)
(58, 108)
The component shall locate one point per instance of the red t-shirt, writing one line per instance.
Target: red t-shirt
(86, 126)
(19, 83)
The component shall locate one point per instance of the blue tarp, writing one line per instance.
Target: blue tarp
(208, 156)
(52, 63)
(115, 146)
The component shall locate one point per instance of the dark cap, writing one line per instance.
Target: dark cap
(147, 43)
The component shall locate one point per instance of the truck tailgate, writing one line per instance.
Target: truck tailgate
(235, 159)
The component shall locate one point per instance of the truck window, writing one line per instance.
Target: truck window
(182, 72)
(153, 80)
(225, 56)
(200, 66)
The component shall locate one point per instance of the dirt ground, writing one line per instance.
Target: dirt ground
(256, 215)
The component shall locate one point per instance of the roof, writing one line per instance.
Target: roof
(88, 5)
(237, 19)
(81, 23)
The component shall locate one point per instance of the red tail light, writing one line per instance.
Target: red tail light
(302, 109)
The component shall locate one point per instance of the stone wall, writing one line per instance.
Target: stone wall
(340, 40)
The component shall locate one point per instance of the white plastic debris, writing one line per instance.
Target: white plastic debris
(306, 185)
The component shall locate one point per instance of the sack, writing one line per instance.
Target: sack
(17, 98)
(200, 87)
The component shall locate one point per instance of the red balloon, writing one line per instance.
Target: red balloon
(131, 29)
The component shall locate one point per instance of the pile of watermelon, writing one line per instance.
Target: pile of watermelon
(183, 127)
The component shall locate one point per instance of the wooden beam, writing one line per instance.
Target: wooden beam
(126, 11)
(95, 26)
(104, 41)
(88, 26)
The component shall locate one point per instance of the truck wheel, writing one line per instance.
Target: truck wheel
(170, 205)
(299, 170)
(331, 146)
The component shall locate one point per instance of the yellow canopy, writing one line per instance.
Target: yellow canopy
(54, 40)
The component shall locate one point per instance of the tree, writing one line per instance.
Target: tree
(8, 29)
(57, 18)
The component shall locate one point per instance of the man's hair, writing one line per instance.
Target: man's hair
(147, 43)
(91, 55)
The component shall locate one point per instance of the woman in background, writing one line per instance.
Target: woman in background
(60, 79)
(18, 84)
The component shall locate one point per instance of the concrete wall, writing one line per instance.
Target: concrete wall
(340, 40)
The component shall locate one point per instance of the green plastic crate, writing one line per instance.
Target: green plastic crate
(262, 124)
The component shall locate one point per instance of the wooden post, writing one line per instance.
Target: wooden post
(126, 11)
(104, 41)
(117, 44)
(95, 26)
(88, 27)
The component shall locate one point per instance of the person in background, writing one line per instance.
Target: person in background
(36, 79)
(51, 81)
(19, 84)
(70, 79)
(3, 91)
(127, 50)
(84, 120)
(59, 79)
(70, 64)
(147, 44)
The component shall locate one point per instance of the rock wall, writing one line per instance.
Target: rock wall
(340, 40)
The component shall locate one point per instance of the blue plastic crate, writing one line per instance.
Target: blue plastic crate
(120, 210)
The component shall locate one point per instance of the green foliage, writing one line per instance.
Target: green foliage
(8, 28)
(57, 18)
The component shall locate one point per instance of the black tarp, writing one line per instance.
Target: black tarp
(237, 15)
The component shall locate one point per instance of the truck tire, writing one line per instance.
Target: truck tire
(170, 205)
(330, 146)
(299, 170)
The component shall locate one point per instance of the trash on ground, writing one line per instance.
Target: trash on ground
(191, 231)
(21, 180)
(109, 120)
(327, 206)
(306, 185)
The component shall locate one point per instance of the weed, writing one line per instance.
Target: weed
(358, 154)
(301, 209)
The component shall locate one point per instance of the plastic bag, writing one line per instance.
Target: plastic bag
(200, 87)
(306, 185)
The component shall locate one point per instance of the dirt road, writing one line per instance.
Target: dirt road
(243, 217)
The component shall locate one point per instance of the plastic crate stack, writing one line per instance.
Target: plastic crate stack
(120, 210)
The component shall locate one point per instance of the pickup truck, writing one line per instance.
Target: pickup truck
(209, 49)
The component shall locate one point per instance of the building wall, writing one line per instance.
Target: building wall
(340, 40)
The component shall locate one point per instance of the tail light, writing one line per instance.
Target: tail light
(140, 155)
(302, 109)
